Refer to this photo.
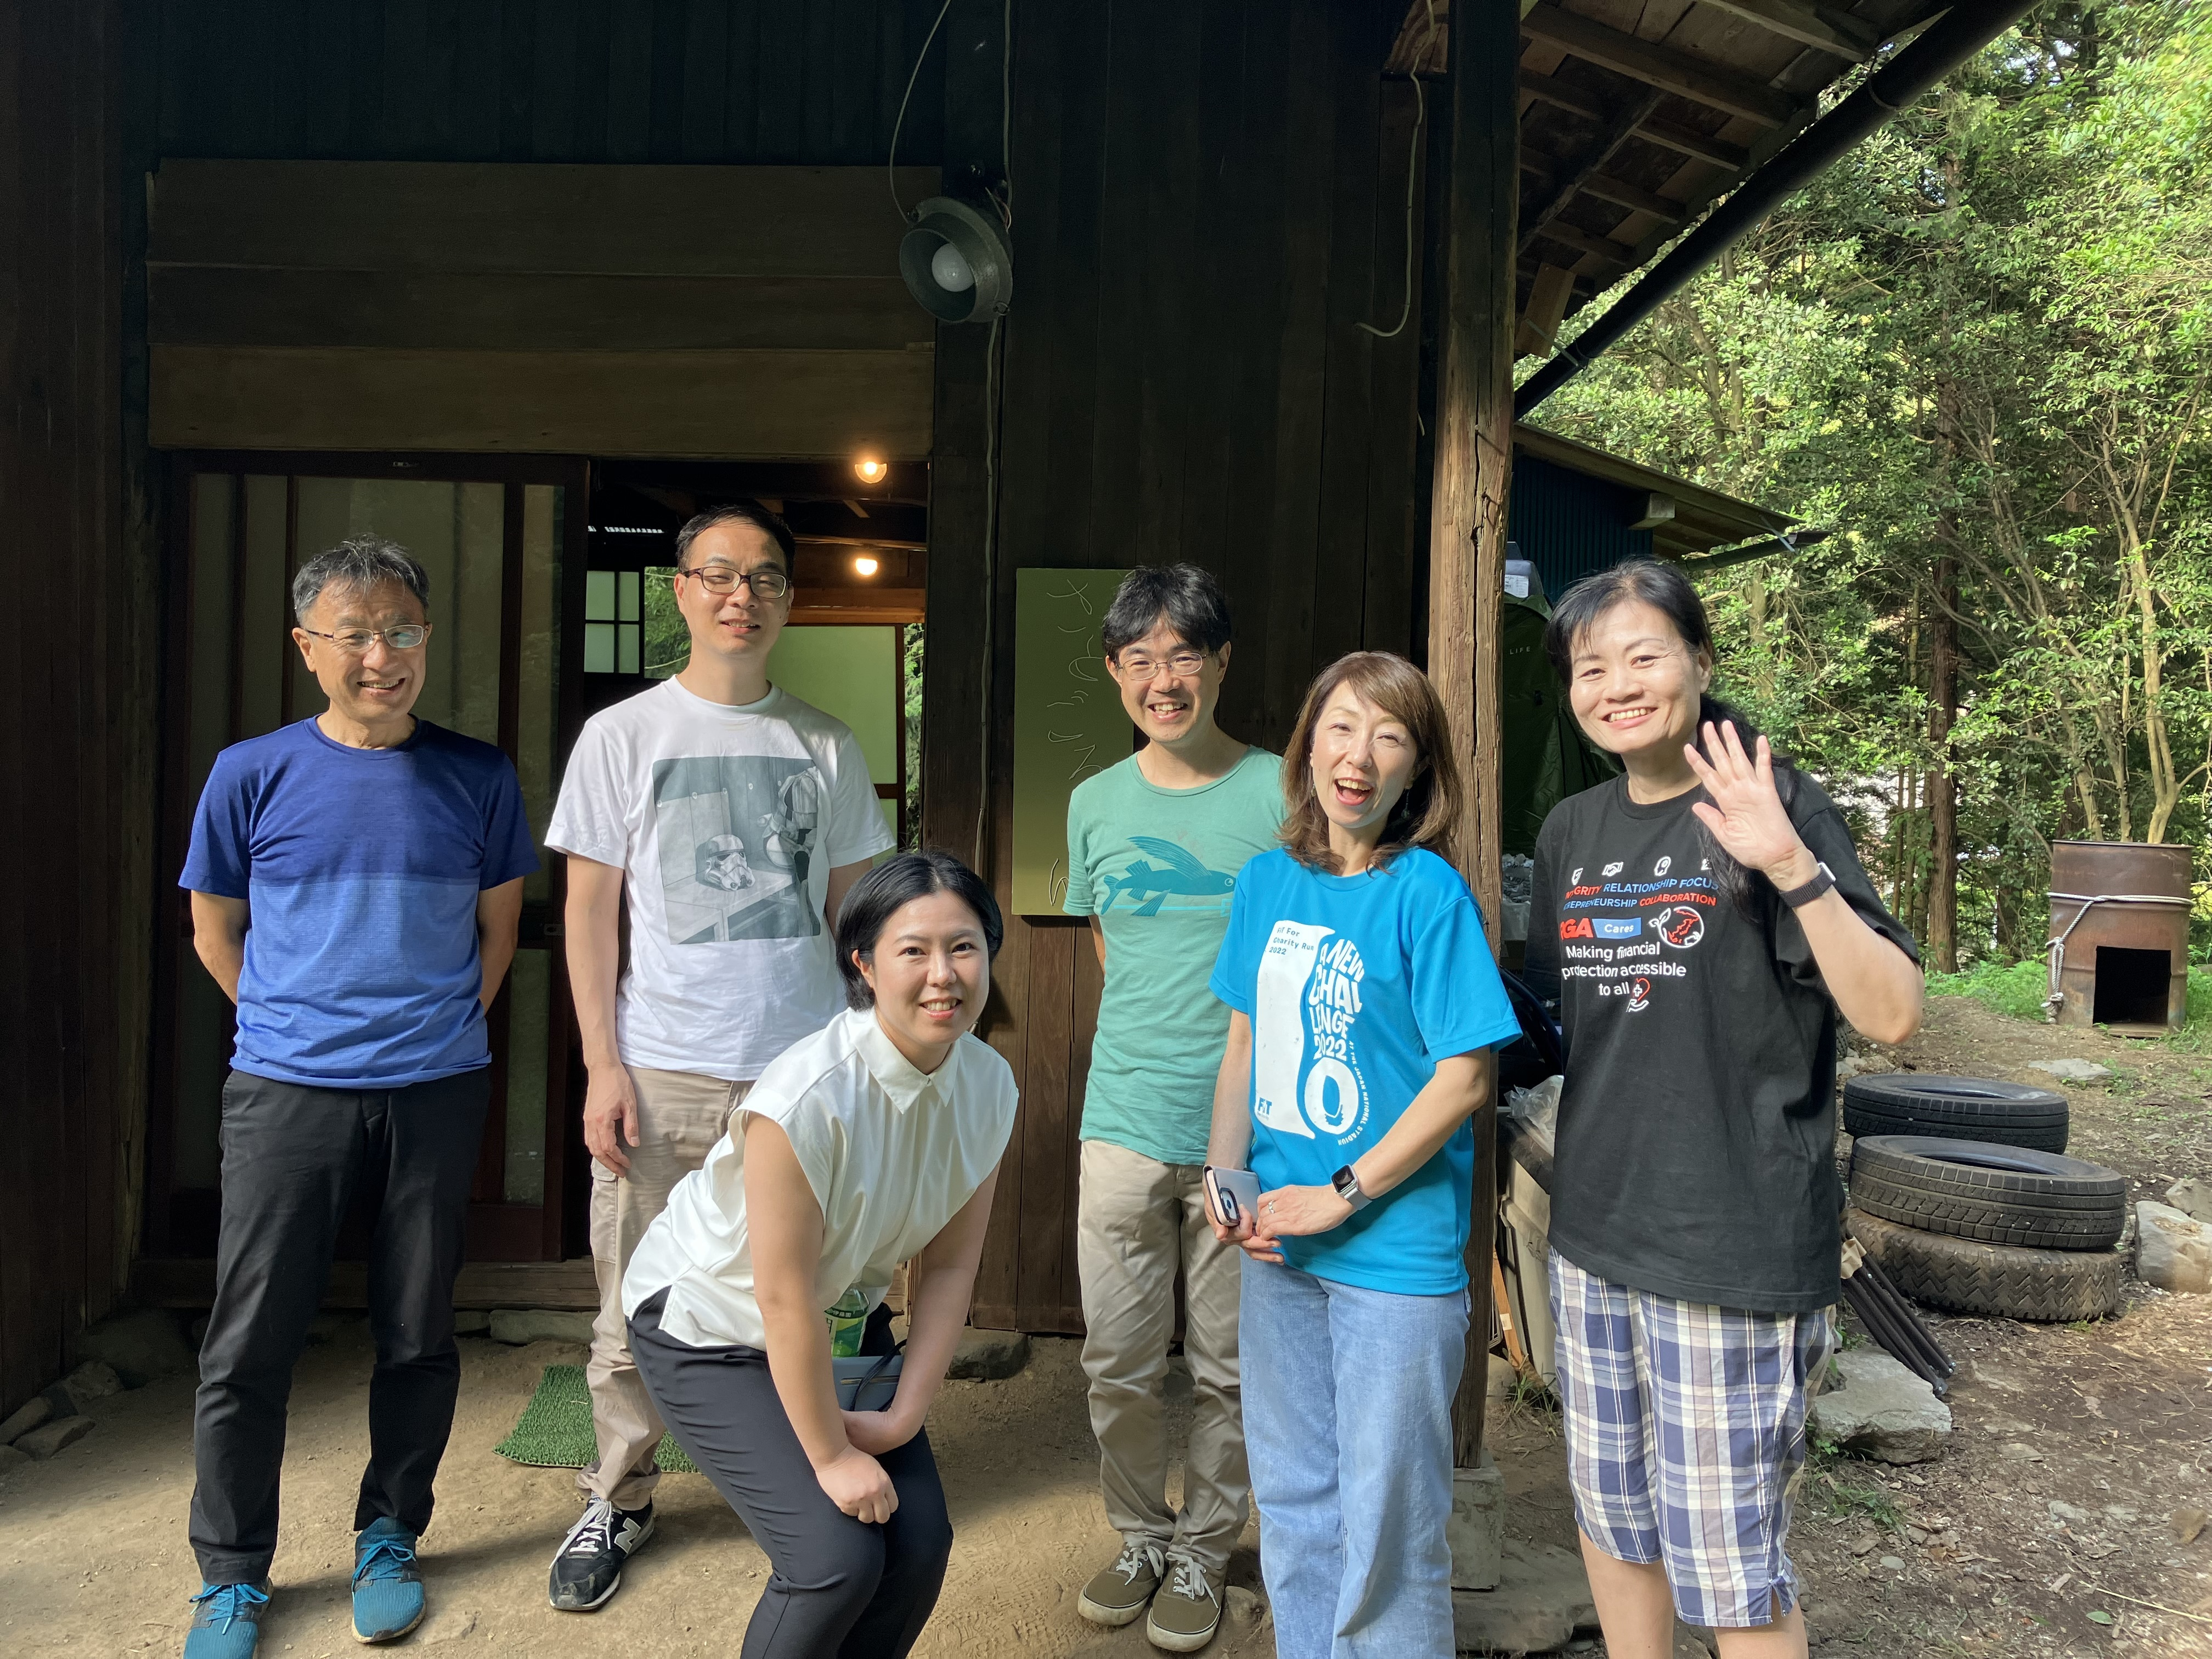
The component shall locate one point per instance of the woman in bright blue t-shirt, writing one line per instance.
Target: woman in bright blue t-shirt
(1361, 993)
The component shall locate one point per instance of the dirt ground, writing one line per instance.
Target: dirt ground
(2046, 1528)
(2048, 1516)
(94, 1558)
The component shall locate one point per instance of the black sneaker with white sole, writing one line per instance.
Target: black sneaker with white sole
(588, 1569)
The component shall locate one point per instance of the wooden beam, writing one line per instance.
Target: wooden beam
(849, 606)
(1549, 295)
(1664, 67)
(1658, 509)
(530, 216)
(1621, 193)
(1466, 546)
(1669, 135)
(1582, 241)
(1589, 164)
(773, 404)
(1607, 188)
(1822, 27)
(528, 311)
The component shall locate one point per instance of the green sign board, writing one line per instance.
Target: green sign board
(1068, 720)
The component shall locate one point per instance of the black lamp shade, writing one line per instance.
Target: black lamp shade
(981, 242)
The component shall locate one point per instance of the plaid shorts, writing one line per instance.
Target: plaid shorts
(1686, 1437)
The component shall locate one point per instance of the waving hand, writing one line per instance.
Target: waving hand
(1746, 815)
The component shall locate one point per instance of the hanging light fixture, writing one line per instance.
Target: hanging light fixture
(956, 262)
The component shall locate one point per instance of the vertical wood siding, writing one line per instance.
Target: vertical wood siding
(1208, 197)
(815, 82)
(76, 680)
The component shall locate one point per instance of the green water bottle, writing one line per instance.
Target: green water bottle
(848, 1323)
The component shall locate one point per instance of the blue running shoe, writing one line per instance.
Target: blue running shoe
(225, 1621)
(387, 1586)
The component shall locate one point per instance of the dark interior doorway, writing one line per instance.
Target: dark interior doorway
(854, 639)
(497, 534)
(2132, 986)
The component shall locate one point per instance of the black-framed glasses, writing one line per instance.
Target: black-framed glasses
(720, 579)
(355, 641)
(1137, 666)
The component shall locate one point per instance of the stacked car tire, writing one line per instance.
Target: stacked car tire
(1961, 1189)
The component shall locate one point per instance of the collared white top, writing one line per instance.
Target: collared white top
(891, 1153)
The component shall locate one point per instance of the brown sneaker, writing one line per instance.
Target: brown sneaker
(1188, 1609)
(1119, 1593)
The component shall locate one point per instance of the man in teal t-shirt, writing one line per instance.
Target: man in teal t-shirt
(1154, 845)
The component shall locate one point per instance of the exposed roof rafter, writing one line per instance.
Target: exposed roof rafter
(1587, 165)
(1677, 72)
(1607, 188)
(1670, 135)
(1822, 27)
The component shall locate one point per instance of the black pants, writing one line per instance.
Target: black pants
(291, 1158)
(839, 1587)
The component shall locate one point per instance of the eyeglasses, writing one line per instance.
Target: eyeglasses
(355, 641)
(719, 579)
(1184, 663)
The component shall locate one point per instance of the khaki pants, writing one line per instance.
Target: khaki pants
(680, 1117)
(1137, 1221)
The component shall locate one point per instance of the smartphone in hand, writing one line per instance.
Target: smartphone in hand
(1235, 1196)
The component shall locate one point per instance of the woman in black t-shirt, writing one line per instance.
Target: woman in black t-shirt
(1702, 919)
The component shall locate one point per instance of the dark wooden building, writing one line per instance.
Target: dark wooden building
(530, 279)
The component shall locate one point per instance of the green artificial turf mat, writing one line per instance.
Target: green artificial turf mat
(554, 1430)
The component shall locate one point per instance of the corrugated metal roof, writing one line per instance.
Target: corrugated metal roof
(1575, 507)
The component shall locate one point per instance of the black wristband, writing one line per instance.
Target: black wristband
(1824, 880)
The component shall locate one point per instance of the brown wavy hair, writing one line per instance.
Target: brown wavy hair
(1428, 814)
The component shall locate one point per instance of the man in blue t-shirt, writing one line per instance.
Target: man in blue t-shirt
(356, 882)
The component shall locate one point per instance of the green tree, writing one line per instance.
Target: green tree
(1976, 348)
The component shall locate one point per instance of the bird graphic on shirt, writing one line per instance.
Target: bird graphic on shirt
(1182, 875)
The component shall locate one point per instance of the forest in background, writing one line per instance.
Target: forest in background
(1975, 350)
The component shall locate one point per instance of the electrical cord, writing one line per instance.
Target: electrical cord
(891, 163)
(990, 580)
(991, 379)
(1413, 175)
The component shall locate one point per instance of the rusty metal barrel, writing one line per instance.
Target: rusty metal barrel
(2119, 935)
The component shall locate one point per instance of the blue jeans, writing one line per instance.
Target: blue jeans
(1348, 1422)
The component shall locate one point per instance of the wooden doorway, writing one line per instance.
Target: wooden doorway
(501, 540)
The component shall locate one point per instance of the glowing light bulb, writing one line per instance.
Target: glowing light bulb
(870, 469)
(952, 272)
(863, 566)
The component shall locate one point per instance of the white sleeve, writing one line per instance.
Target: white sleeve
(588, 819)
(857, 830)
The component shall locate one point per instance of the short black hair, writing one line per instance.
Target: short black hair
(1189, 599)
(358, 563)
(878, 896)
(742, 509)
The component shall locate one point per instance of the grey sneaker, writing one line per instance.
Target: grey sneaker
(1119, 1593)
(1188, 1609)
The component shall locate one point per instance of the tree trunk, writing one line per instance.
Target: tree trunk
(1943, 937)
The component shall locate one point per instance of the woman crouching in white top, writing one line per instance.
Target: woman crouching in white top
(873, 1142)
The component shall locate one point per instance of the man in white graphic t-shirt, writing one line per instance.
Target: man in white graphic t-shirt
(736, 816)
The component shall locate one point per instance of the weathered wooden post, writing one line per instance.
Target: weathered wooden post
(1467, 544)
